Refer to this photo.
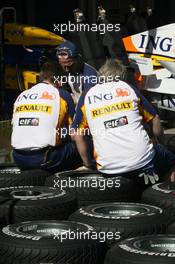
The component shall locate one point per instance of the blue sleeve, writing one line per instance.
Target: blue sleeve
(147, 108)
(80, 120)
(92, 76)
(70, 103)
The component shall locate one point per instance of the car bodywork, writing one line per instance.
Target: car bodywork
(23, 47)
(152, 54)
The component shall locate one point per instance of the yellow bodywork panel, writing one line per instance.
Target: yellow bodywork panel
(17, 34)
(156, 58)
(30, 78)
(27, 78)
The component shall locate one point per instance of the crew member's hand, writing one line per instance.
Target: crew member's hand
(101, 13)
(90, 165)
(82, 168)
(172, 176)
(153, 177)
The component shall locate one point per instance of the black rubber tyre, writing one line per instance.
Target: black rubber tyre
(171, 229)
(10, 175)
(93, 187)
(162, 195)
(122, 219)
(22, 203)
(158, 249)
(43, 242)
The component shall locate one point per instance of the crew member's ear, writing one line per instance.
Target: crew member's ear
(57, 84)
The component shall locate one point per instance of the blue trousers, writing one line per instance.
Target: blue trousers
(55, 159)
(162, 163)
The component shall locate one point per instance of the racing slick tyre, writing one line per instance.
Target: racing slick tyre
(171, 228)
(10, 175)
(92, 187)
(122, 220)
(159, 249)
(26, 203)
(50, 242)
(162, 195)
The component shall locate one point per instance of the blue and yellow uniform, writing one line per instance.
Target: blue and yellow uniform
(41, 120)
(114, 113)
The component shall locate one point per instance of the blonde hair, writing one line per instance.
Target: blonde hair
(112, 70)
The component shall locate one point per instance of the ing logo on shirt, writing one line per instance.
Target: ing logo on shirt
(34, 96)
(109, 109)
(122, 92)
(46, 95)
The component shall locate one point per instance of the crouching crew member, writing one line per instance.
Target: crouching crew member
(114, 112)
(41, 119)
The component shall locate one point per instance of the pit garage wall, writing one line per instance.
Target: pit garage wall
(42, 13)
(117, 9)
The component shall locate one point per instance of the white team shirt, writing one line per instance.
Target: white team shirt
(112, 113)
(35, 117)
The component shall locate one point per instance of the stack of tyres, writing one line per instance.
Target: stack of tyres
(34, 217)
(159, 249)
(27, 203)
(51, 242)
(162, 195)
(92, 187)
(171, 228)
(11, 175)
(117, 221)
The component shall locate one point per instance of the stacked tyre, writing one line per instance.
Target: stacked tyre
(10, 175)
(162, 195)
(117, 221)
(93, 187)
(33, 235)
(49, 242)
(27, 203)
(145, 249)
(36, 228)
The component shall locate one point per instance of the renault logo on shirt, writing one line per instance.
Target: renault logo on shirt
(34, 108)
(109, 109)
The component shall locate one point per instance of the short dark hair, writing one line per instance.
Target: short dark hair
(48, 71)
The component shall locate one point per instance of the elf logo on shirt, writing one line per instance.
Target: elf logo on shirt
(30, 121)
(118, 122)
